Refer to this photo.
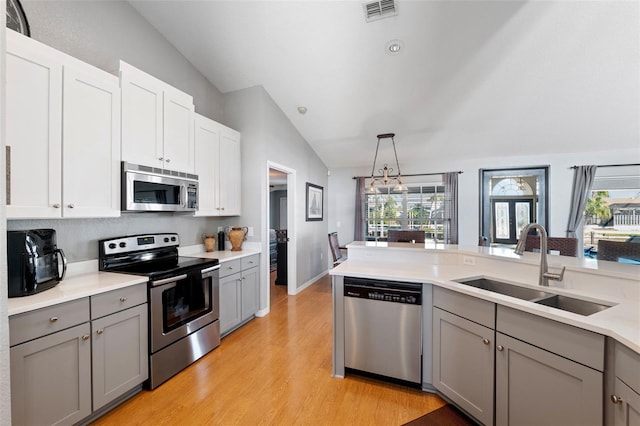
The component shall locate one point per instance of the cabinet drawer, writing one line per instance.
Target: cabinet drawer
(574, 343)
(34, 324)
(250, 261)
(627, 365)
(472, 308)
(117, 300)
(229, 267)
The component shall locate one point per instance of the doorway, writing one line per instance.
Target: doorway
(509, 217)
(280, 221)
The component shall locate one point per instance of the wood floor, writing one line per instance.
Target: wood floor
(275, 370)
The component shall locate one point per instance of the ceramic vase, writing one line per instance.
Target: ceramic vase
(209, 242)
(236, 236)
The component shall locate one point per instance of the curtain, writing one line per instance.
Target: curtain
(358, 229)
(451, 207)
(583, 177)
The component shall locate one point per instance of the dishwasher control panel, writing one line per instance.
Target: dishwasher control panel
(405, 293)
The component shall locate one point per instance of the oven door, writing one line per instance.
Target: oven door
(183, 304)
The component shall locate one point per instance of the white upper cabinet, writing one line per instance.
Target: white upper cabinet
(230, 172)
(157, 122)
(217, 150)
(48, 115)
(91, 131)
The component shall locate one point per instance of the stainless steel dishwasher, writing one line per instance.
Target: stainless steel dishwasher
(383, 328)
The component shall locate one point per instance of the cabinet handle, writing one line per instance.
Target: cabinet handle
(616, 399)
(100, 331)
(486, 341)
(123, 299)
(71, 206)
(500, 348)
(85, 337)
(56, 206)
(168, 160)
(53, 319)
(222, 208)
(161, 158)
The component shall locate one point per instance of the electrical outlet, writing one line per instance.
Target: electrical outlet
(250, 231)
(468, 260)
(321, 256)
(338, 224)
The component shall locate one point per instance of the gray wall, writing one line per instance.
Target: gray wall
(274, 209)
(101, 33)
(268, 135)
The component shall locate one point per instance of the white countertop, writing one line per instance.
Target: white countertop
(72, 288)
(84, 279)
(621, 322)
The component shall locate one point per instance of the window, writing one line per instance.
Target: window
(420, 208)
(613, 209)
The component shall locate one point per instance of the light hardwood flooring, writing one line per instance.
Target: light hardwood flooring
(275, 370)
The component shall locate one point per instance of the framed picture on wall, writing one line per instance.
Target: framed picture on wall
(314, 202)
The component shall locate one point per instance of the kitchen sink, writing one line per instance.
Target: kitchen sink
(565, 303)
(577, 306)
(505, 288)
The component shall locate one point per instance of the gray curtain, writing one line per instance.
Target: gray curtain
(583, 177)
(358, 229)
(451, 207)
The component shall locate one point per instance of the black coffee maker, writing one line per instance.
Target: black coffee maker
(33, 261)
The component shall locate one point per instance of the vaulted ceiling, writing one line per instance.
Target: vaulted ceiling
(473, 78)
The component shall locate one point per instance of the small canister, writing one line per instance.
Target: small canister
(209, 242)
(221, 240)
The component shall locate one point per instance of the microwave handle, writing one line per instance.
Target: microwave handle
(64, 264)
(185, 196)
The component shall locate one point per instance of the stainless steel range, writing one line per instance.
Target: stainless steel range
(183, 299)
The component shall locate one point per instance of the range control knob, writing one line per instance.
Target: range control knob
(123, 244)
(173, 239)
(166, 239)
(112, 245)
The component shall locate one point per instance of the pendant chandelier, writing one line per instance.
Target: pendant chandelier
(386, 178)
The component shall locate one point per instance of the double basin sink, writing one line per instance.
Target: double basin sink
(565, 303)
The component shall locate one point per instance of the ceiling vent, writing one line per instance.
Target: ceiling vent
(375, 10)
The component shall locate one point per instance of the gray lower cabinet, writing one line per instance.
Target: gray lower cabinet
(537, 387)
(51, 365)
(626, 389)
(239, 292)
(547, 372)
(120, 354)
(72, 359)
(463, 352)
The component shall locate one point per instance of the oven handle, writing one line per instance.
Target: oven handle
(211, 269)
(168, 280)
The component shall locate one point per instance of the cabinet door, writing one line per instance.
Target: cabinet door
(120, 354)
(91, 128)
(51, 378)
(250, 292)
(536, 387)
(207, 153)
(230, 173)
(178, 131)
(463, 356)
(627, 405)
(142, 128)
(33, 128)
(230, 314)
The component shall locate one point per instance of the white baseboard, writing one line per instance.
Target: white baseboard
(311, 281)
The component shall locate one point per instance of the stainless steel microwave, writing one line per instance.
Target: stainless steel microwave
(150, 189)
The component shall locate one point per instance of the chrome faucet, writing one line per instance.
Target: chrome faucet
(545, 275)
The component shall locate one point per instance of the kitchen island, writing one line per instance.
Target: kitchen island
(614, 330)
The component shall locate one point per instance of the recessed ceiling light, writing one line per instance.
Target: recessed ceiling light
(393, 47)
(302, 110)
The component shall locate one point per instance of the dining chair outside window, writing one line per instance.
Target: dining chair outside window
(565, 246)
(405, 236)
(336, 249)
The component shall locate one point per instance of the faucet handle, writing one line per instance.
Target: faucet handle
(555, 277)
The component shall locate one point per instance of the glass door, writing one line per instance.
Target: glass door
(509, 217)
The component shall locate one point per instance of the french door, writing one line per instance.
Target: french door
(508, 217)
